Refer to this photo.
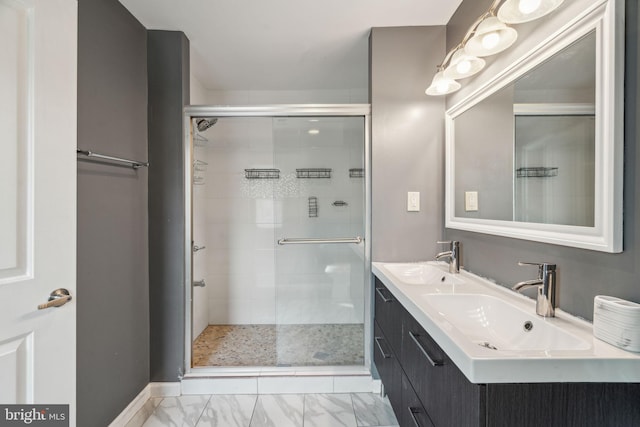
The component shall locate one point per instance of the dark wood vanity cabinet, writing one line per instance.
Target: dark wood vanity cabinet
(426, 389)
(446, 394)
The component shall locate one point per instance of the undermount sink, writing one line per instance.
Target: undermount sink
(423, 274)
(496, 324)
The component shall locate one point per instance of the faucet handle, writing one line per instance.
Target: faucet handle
(546, 265)
(542, 267)
(452, 243)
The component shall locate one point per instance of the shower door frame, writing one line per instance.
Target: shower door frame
(282, 110)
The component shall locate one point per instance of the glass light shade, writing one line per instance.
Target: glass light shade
(491, 36)
(442, 85)
(519, 11)
(463, 65)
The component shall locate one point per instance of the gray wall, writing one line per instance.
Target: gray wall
(407, 154)
(484, 157)
(582, 274)
(168, 63)
(113, 284)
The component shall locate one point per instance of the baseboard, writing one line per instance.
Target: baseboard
(130, 411)
(151, 390)
(165, 389)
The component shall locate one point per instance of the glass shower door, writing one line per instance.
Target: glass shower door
(319, 228)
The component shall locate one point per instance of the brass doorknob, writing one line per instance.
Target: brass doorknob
(56, 299)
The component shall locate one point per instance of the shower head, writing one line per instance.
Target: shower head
(204, 124)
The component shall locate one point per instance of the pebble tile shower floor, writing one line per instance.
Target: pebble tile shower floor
(280, 345)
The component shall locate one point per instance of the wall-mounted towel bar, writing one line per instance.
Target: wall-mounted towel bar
(133, 163)
(307, 241)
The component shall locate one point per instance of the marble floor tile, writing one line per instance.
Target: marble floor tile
(329, 410)
(278, 410)
(145, 412)
(228, 411)
(373, 410)
(178, 411)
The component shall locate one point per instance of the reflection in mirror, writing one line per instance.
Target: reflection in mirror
(527, 152)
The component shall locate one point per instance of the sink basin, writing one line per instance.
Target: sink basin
(423, 274)
(496, 324)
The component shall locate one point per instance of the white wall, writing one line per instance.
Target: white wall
(200, 313)
(250, 279)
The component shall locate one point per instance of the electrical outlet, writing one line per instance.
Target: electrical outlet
(471, 201)
(413, 201)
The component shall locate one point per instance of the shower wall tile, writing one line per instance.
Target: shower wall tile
(226, 210)
(243, 220)
(200, 310)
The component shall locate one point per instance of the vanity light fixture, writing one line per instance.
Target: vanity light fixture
(442, 85)
(487, 36)
(463, 65)
(519, 11)
(491, 36)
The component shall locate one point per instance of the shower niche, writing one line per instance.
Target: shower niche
(285, 266)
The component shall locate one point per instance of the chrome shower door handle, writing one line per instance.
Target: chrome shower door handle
(57, 298)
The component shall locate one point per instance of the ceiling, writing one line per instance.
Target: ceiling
(284, 44)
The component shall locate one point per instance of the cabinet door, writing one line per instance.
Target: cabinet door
(388, 314)
(449, 398)
(389, 369)
(413, 413)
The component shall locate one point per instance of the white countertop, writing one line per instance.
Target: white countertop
(600, 362)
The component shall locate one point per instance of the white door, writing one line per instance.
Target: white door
(38, 45)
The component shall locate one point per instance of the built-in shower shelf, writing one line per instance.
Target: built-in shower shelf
(356, 173)
(313, 173)
(262, 173)
(537, 172)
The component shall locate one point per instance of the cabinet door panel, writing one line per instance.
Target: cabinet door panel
(389, 369)
(388, 314)
(449, 398)
(413, 413)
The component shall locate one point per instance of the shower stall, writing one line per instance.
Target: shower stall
(279, 263)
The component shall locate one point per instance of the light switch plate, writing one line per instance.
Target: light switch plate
(471, 201)
(413, 201)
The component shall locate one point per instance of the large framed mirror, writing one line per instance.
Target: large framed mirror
(536, 153)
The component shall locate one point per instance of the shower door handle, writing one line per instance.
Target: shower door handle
(199, 283)
(311, 241)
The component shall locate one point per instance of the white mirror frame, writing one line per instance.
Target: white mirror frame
(606, 17)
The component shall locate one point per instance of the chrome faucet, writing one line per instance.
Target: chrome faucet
(546, 284)
(453, 254)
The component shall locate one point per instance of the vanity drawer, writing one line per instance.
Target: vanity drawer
(389, 314)
(389, 369)
(413, 413)
(449, 398)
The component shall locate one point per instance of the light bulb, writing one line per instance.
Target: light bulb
(490, 40)
(463, 67)
(529, 6)
(442, 86)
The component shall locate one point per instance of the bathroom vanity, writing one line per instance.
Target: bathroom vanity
(454, 350)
